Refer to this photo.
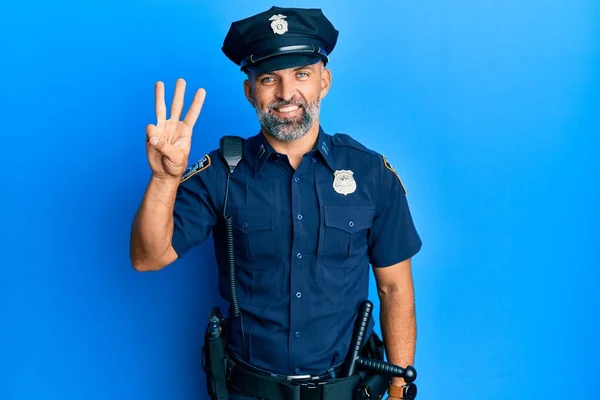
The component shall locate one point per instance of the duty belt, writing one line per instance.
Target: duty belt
(256, 383)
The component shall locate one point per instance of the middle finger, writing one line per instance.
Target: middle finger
(177, 105)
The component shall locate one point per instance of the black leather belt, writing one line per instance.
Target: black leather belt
(261, 384)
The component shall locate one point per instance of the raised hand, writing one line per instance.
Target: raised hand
(168, 142)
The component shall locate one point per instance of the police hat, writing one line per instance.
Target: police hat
(280, 38)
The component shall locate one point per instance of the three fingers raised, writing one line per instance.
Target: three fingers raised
(177, 106)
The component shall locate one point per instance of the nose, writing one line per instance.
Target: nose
(286, 88)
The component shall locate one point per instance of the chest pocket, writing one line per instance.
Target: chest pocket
(345, 235)
(255, 240)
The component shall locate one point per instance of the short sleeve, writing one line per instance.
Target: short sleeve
(393, 237)
(194, 214)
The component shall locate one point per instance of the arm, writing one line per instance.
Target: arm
(167, 147)
(397, 313)
(393, 241)
(152, 230)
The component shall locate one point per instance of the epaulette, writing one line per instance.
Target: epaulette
(342, 139)
(198, 166)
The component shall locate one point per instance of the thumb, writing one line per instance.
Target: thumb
(166, 149)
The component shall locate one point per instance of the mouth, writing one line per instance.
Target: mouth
(287, 111)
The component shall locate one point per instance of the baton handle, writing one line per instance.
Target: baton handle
(384, 368)
(358, 336)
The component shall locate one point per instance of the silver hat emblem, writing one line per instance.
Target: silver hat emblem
(344, 182)
(279, 24)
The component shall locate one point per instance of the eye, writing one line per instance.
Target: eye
(302, 75)
(267, 80)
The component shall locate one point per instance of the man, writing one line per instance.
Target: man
(310, 211)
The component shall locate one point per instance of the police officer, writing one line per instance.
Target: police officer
(311, 211)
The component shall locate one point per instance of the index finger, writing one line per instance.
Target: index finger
(159, 98)
(192, 115)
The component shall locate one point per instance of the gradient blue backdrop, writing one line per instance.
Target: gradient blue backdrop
(490, 112)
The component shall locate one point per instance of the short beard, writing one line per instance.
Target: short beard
(288, 129)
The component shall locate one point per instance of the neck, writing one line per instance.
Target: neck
(295, 149)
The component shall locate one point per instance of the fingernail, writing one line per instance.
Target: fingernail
(153, 141)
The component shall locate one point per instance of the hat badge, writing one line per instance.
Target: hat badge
(279, 24)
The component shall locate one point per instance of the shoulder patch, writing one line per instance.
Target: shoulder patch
(198, 166)
(389, 166)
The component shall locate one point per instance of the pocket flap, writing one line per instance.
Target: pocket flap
(251, 220)
(350, 219)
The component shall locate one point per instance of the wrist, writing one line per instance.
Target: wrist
(165, 178)
(161, 192)
(166, 183)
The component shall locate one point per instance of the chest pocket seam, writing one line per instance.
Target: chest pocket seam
(250, 243)
(345, 238)
(348, 222)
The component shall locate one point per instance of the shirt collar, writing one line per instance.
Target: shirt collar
(324, 147)
(259, 150)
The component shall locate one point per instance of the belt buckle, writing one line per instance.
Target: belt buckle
(302, 380)
(293, 378)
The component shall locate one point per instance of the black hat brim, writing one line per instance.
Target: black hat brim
(284, 61)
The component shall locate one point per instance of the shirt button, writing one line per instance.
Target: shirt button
(314, 159)
(350, 224)
(297, 334)
(299, 294)
(296, 179)
(245, 224)
(297, 371)
(299, 216)
(299, 255)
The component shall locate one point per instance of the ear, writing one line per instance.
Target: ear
(325, 81)
(248, 91)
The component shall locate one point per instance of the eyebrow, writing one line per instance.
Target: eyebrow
(308, 66)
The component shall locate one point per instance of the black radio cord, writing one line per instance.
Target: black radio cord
(231, 264)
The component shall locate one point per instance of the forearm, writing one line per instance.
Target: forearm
(398, 325)
(152, 229)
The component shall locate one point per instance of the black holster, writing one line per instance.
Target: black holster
(372, 385)
(214, 356)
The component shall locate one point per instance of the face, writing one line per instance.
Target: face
(288, 101)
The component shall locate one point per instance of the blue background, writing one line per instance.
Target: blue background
(490, 112)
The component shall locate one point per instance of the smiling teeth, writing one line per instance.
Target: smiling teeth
(287, 109)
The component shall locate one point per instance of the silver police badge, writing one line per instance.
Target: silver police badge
(344, 182)
(279, 24)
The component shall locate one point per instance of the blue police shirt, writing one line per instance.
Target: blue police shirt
(304, 240)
